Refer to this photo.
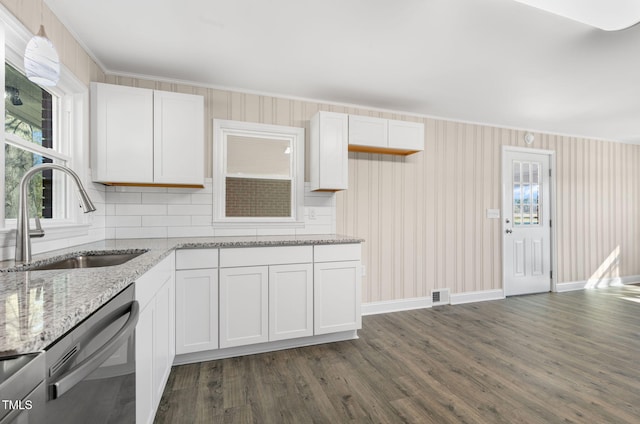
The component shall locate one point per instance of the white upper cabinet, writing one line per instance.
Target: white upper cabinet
(378, 135)
(121, 134)
(405, 135)
(178, 142)
(146, 137)
(333, 135)
(329, 156)
(367, 131)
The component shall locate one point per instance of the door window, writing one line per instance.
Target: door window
(526, 193)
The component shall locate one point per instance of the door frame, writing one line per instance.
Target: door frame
(552, 209)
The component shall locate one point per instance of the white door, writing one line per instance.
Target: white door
(526, 222)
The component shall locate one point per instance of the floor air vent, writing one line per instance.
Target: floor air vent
(440, 297)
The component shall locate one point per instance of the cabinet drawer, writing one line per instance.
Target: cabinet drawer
(255, 256)
(196, 258)
(337, 252)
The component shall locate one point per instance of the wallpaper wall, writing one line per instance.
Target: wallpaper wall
(424, 216)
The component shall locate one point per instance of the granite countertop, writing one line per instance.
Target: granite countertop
(38, 307)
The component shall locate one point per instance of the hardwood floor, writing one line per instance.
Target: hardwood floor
(549, 358)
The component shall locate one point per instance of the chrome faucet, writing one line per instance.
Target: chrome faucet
(23, 233)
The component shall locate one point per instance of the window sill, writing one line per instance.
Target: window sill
(53, 230)
(257, 223)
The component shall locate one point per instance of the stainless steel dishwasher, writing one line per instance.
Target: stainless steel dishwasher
(91, 370)
(22, 391)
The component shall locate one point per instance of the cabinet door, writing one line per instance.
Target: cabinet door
(178, 138)
(155, 336)
(337, 296)
(163, 341)
(290, 301)
(244, 302)
(121, 133)
(145, 410)
(405, 135)
(367, 131)
(196, 310)
(329, 157)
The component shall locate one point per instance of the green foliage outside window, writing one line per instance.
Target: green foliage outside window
(17, 162)
(28, 117)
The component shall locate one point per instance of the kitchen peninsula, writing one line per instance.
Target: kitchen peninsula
(50, 303)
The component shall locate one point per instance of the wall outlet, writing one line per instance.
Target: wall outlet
(312, 213)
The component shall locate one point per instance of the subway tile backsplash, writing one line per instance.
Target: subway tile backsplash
(152, 212)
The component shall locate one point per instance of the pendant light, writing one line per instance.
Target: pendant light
(41, 61)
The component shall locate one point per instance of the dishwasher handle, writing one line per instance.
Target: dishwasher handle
(78, 373)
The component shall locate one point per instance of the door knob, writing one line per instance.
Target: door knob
(509, 231)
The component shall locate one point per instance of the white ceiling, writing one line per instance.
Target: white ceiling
(496, 62)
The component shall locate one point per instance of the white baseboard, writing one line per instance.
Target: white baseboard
(631, 279)
(210, 355)
(477, 296)
(387, 306)
(570, 286)
(398, 305)
(597, 283)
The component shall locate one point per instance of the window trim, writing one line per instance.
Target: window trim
(221, 129)
(69, 125)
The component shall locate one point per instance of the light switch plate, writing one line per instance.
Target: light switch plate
(493, 213)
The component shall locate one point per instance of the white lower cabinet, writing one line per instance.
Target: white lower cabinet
(266, 294)
(244, 302)
(196, 300)
(290, 301)
(238, 297)
(145, 412)
(163, 338)
(155, 337)
(337, 275)
(265, 303)
(196, 310)
(337, 296)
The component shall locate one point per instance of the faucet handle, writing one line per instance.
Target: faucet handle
(38, 231)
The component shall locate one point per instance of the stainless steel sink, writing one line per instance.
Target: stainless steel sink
(90, 259)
